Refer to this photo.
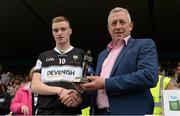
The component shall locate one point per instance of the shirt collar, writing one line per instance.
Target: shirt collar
(125, 40)
(69, 49)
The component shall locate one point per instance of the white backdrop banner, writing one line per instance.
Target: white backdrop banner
(171, 102)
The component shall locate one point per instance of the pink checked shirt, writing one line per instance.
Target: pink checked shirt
(115, 50)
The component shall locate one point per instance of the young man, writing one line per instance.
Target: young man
(125, 71)
(53, 72)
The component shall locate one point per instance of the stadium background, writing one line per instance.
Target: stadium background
(25, 27)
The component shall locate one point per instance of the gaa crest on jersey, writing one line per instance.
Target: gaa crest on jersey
(49, 59)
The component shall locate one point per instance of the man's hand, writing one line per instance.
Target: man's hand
(96, 83)
(78, 87)
(70, 98)
(76, 98)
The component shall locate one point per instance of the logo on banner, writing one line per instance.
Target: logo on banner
(174, 104)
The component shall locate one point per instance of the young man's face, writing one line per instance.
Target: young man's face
(61, 32)
(119, 26)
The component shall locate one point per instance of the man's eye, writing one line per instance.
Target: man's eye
(114, 23)
(63, 29)
(55, 30)
(122, 22)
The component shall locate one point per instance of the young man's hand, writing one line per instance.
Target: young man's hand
(70, 98)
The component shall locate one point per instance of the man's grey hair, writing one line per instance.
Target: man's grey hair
(119, 9)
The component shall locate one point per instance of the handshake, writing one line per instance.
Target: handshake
(72, 98)
(69, 97)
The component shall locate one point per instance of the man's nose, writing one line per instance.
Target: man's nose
(118, 26)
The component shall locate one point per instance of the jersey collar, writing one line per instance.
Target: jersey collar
(69, 49)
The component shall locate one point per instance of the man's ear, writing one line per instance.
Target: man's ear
(131, 25)
(108, 27)
(70, 31)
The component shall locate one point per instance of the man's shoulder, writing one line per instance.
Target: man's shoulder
(144, 41)
(103, 52)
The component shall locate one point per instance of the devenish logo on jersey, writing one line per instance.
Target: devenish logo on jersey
(60, 72)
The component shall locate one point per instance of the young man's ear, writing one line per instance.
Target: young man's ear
(70, 31)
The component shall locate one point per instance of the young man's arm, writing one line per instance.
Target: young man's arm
(40, 88)
(68, 97)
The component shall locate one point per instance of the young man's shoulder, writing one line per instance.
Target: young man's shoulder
(47, 52)
(78, 49)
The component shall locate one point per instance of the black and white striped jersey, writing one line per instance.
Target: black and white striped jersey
(55, 67)
(58, 69)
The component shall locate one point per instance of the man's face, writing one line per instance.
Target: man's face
(119, 26)
(61, 32)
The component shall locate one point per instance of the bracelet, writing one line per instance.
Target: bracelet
(60, 92)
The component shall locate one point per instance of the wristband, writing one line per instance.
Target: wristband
(60, 92)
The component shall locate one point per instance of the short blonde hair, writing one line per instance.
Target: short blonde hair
(60, 19)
